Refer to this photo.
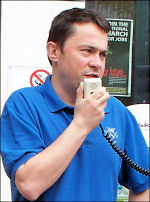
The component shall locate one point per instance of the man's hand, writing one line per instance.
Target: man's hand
(89, 112)
(143, 196)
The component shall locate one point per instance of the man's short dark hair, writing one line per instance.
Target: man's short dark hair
(62, 25)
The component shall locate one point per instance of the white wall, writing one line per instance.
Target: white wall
(25, 27)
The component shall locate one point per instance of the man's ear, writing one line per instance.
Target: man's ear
(52, 51)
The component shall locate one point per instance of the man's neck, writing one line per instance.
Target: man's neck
(65, 94)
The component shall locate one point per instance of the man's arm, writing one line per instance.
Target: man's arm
(143, 196)
(41, 171)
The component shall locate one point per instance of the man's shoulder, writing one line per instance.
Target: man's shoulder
(117, 107)
(114, 102)
(27, 93)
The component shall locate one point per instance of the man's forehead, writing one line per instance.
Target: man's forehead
(88, 24)
(88, 37)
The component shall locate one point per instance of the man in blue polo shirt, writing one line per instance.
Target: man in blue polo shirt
(52, 146)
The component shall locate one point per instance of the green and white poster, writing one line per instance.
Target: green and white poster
(117, 75)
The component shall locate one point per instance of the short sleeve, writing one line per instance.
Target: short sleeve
(20, 136)
(136, 148)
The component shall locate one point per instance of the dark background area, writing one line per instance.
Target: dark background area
(138, 11)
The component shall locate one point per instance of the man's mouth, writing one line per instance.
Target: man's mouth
(91, 76)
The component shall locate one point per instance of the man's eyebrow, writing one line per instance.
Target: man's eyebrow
(88, 46)
(104, 51)
(93, 47)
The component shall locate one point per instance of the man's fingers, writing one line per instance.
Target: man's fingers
(79, 94)
(98, 94)
(104, 98)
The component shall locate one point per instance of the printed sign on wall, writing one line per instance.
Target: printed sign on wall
(141, 113)
(38, 77)
(20, 77)
(117, 75)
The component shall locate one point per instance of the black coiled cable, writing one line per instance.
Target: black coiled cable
(123, 155)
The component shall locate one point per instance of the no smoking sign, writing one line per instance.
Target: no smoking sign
(38, 77)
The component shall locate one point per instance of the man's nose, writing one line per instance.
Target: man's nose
(95, 63)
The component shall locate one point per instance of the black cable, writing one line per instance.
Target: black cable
(123, 155)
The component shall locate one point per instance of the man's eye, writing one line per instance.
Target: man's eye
(87, 50)
(103, 55)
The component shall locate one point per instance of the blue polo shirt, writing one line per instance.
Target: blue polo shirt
(34, 117)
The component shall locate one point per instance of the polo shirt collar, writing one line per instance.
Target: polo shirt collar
(53, 102)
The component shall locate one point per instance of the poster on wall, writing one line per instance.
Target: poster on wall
(117, 75)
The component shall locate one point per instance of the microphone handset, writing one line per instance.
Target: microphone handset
(90, 86)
